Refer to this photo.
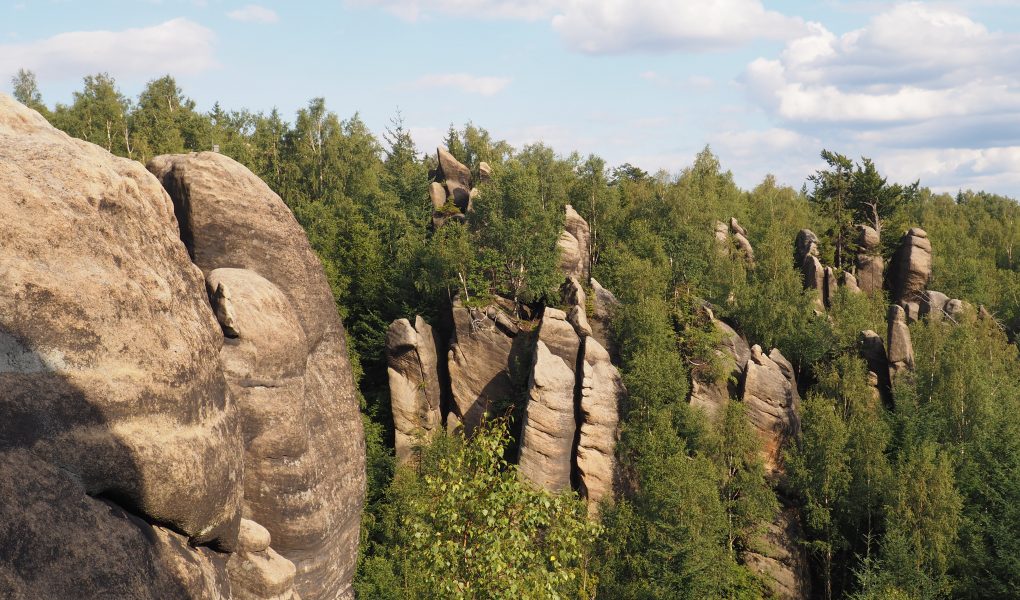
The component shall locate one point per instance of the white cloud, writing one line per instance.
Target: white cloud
(484, 86)
(912, 63)
(178, 46)
(617, 26)
(613, 26)
(413, 10)
(253, 13)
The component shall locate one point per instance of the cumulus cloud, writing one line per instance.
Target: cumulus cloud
(912, 63)
(253, 13)
(413, 10)
(178, 46)
(614, 26)
(618, 26)
(484, 86)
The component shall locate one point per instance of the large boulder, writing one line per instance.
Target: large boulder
(309, 496)
(114, 407)
(601, 395)
(806, 245)
(770, 397)
(456, 177)
(115, 411)
(910, 270)
(413, 370)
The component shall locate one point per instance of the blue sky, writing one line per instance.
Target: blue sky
(930, 90)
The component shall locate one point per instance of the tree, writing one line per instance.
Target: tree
(831, 193)
(873, 199)
(165, 121)
(25, 90)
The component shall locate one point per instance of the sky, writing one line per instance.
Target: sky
(929, 90)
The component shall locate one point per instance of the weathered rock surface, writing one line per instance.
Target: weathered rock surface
(770, 398)
(570, 255)
(109, 380)
(901, 350)
(831, 286)
(733, 231)
(910, 269)
(413, 371)
(709, 394)
(601, 394)
(302, 425)
(806, 245)
(782, 560)
(256, 571)
(814, 278)
(456, 177)
(848, 281)
(870, 273)
(872, 349)
(579, 229)
(604, 304)
(549, 425)
(486, 354)
(933, 305)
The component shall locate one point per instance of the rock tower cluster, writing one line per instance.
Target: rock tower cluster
(553, 360)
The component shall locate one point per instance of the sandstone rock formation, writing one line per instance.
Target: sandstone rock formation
(413, 371)
(288, 367)
(806, 245)
(451, 189)
(733, 231)
(549, 426)
(604, 303)
(910, 269)
(771, 398)
(487, 352)
(781, 560)
(601, 395)
(872, 349)
(126, 451)
(709, 394)
(574, 243)
(901, 350)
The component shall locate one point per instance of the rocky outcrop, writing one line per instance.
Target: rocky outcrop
(601, 394)
(487, 352)
(413, 371)
(901, 350)
(910, 269)
(574, 244)
(136, 414)
(549, 426)
(806, 245)
(732, 235)
(451, 189)
(604, 304)
(781, 559)
(105, 331)
(287, 367)
(872, 349)
(770, 397)
(711, 394)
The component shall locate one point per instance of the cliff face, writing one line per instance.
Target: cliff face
(179, 416)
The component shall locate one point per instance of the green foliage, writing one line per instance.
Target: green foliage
(468, 526)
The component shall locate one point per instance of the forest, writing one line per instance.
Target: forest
(914, 498)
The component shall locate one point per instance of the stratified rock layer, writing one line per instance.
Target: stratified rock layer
(910, 269)
(309, 497)
(601, 395)
(549, 426)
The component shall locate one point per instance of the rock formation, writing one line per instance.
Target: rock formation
(601, 394)
(781, 559)
(136, 433)
(872, 349)
(770, 397)
(488, 351)
(604, 303)
(901, 350)
(709, 394)
(733, 235)
(413, 371)
(806, 245)
(549, 425)
(870, 264)
(574, 246)
(288, 368)
(451, 189)
(910, 269)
